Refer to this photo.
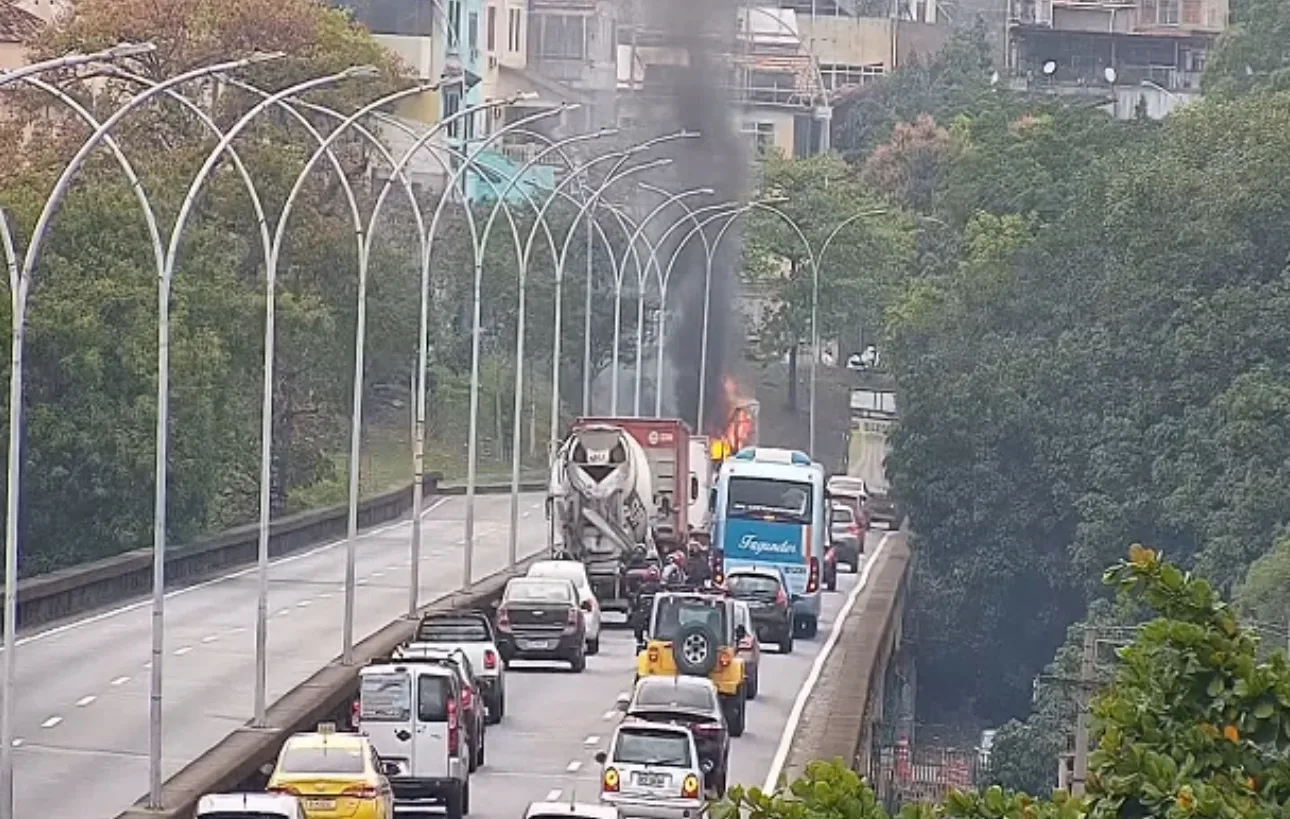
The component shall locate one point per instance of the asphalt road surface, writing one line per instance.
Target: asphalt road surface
(556, 720)
(82, 688)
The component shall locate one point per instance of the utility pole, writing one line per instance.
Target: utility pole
(1087, 682)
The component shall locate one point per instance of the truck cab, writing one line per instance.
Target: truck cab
(409, 711)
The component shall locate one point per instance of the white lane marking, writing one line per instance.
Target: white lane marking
(324, 595)
(378, 574)
(51, 722)
(17, 743)
(86, 700)
(237, 630)
(122, 680)
(147, 666)
(573, 766)
(210, 638)
(360, 582)
(304, 604)
(610, 714)
(181, 651)
(551, 795)
(283, 612)
(525, 514)
(591, 740)
(795, 715)
(101, 616)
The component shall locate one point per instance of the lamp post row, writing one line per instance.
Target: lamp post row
(21, 270)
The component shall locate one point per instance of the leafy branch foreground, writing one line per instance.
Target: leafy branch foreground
(1193, 724)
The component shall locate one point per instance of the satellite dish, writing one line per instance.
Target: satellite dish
(1050, 68)
(1110, 75)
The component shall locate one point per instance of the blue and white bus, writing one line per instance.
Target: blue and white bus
(770, 509)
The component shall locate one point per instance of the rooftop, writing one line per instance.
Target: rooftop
(16, 24)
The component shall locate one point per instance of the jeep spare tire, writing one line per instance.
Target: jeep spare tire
(695, 650)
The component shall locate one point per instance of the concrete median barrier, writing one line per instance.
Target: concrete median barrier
(838, 718)
(234, 764)
(80, 589)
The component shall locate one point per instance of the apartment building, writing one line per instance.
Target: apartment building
(1137, 54)
(17, 24)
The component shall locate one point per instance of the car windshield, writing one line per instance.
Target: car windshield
(385, 698)
(668, 694)
(674, 613)
(752, 585)
(534, 590)
(842, 515)
(452, 630)
(565, 569)
(642, 746)
(344, 758)
(768, 497)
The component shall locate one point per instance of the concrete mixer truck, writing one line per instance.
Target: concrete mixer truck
(600, 507)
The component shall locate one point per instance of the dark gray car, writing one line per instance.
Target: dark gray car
(845, 534)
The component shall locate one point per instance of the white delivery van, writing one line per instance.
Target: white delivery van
(411, 714)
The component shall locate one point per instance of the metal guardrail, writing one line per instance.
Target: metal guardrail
(79, 589)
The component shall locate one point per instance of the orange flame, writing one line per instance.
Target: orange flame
(738, 429)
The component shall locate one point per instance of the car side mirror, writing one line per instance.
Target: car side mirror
(586, 605)
(600, 757)
(740, 632)
(622, 702)
(390, 768)
(796, 598)
(267, 769)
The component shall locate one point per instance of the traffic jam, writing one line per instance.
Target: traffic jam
(707, 576)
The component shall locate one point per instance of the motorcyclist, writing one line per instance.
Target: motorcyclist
(674, 571)
(698, 566)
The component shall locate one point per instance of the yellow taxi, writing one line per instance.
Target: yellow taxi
(335, 776)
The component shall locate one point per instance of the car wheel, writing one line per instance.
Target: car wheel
(593, 646)
(457, 802)
(810, 628)
(474, 757)
(854, 565)
(479, 761)
(832, 583)
(737, 711)
(579, 662)
(754, 683)
(721, 784)
(786, 642)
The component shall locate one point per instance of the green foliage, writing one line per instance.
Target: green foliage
(1192, 724)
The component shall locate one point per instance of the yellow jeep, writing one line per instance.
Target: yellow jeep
(694, 633)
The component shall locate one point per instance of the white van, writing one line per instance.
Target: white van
(411, 713)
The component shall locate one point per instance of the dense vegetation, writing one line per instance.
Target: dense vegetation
(1193, 724)
(1091, 345)
(91, 351)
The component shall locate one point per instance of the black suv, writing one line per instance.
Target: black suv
(539, 618)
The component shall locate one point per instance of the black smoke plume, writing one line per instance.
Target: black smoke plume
(701, 102)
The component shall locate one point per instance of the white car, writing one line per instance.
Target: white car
(652, 771)
(249, 806)
(575, 572)
(470, 632)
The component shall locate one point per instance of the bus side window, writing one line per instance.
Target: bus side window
(694, 487)
(712, 500)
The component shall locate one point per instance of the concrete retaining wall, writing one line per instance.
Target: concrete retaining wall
(837, 720)
(235, 762)
(80, 589)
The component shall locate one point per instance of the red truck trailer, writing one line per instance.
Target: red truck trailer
(666, 442)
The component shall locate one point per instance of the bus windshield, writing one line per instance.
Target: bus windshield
(769, 497)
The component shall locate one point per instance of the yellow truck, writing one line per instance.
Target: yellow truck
(694, 632)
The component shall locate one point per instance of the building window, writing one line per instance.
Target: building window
(454, 22)
(1167, 12)
(760, 134)
(513, 33)
(473, 32)
(560, 37)
(843, 75)
(407, 19)
(490, 38)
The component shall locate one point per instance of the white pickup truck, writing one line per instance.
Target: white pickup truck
(472, 632)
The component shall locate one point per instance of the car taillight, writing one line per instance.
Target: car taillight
(454, 731)
(813, 580)
(503, 620)
(854, 530)
(610, 781)
(781, 599)
(571, 622)
(690, 787)
(287, 789)
(707, 729)
(490, 659)
(746, 643)
(723, 659)
(651, 573)
(653, 654)
(355, 709)
(360, 792)
(466, 699)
